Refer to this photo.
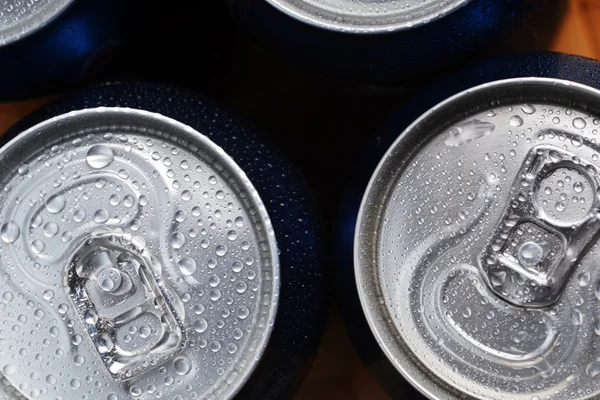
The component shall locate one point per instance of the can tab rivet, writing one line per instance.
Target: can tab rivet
(129, 313)
(550, 221)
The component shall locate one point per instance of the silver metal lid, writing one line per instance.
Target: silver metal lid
(477, 245)
(136, 261)
(367, 16)
(19, 18)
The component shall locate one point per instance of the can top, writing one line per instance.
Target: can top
(477, 244)
(367, 16)
(136, 260)
(19, 18)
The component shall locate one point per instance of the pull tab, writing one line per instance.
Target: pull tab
(129, 315)
(549, 223)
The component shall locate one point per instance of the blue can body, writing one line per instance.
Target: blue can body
(404, 56)
(303, 301)
(544, 65)
(79, 43)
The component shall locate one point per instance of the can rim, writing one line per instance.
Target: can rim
(366, 260)
(328, 19)
(33, 23)
(204, 142)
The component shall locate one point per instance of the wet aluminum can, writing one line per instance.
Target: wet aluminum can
(471, 251)
(45, 45)
(396, 42)
(149, 255)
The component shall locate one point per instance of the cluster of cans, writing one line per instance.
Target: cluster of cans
(154, 244)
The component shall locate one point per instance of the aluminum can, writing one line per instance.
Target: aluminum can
(470, 249)
(391, 42)
(45, 45)
(149, 255)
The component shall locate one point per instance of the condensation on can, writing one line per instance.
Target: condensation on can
(477, 240)
(136, 259)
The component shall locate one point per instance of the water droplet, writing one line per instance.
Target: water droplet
(39, 314)
(135, 391)
(23, 169)
(498, 278)
(578, 187)
(200, 325)
(186, 195)
(241, 287)
(467, 312)
(237, 333)
(579, 123)
(128, 201)
(187, 266)
(177, 240)
(584, 279)
(48, 295)
(530, 254)
(51, 380)
(518, 337)
(221, 250)
(593, 368)
(101, 216)
(243, 312)
(37, 246)
(182, 365)
(78, 215)
(515, 120)
(145, 331)
(79, 360)
(110, 279)
(528, 109)
(560, 206)
(10, 232)
(56, 204)
(215, 294)
(99, 156)
(50, 229)
(9, 370)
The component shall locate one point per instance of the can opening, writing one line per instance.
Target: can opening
(129, 313)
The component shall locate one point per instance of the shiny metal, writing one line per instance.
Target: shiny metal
(540, 238)
(451, 324)
(367, 16)
(136, 261)
(20, 18)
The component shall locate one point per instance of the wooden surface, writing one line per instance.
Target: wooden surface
(337, 373)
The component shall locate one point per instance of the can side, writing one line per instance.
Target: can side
(403, 57)
(545, 64)
(302, 313)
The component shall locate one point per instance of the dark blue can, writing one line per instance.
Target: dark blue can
(392, 41)
(214, 334)
(518, 80)
(47, 45)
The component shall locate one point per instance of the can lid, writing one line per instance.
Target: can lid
(136, 259)
(367, 16)
(19, 18)
(477, 244)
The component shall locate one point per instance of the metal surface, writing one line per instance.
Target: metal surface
(436, 203)
(137, 261)
(20, 18)
(367, 16)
